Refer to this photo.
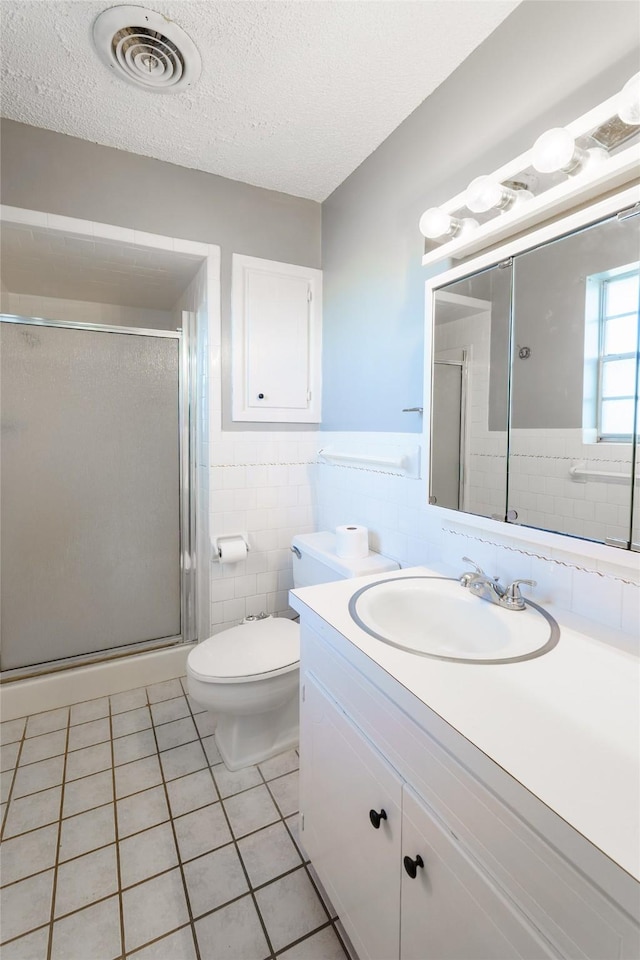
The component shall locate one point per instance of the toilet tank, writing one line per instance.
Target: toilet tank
(319, 563)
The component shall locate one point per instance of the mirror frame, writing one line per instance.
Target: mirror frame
(608, 206)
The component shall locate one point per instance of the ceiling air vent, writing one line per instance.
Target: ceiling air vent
(145, 48)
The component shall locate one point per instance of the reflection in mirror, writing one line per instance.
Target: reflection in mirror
(573, 382)
(470, 393)
(635, 519)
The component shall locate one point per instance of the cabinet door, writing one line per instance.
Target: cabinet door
(342, 779)
(451, 910)
(276, 318)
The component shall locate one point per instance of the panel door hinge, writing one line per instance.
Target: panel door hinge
(617, 542)
(302, 822)
(309, 295)
(309, 395)
(304, 692)
(633, 211)
(505, 264)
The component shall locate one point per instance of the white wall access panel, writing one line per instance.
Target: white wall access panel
(276, 323)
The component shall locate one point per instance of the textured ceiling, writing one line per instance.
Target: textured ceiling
(293, 96)
(50, 264)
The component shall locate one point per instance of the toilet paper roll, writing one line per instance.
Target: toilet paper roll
(352, 542)
(232, 550)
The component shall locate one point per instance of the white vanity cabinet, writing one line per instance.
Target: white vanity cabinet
(450, 909)
(491, 886)
(344, 779)
(401, 884)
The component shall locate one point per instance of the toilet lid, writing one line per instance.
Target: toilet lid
(253, 649)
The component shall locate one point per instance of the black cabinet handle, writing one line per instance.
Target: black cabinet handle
(411, 866)
(261, 396)
(376, 817)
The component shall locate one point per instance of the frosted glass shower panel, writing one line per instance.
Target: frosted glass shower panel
(90, 491)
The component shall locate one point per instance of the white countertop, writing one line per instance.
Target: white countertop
(565, 725)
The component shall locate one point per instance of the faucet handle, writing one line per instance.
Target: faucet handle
(512, 596)
(467, 577)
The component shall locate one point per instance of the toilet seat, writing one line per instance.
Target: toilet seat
(271, 646)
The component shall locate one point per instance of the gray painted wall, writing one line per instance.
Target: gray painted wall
(42, 170)
(547, 63)
(549, 317)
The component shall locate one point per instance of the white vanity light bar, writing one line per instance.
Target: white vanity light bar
(613, 171)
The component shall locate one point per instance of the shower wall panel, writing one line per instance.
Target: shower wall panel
(90, 495)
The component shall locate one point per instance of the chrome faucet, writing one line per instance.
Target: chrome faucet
(490, 588)
(470, 575)
(512, 599)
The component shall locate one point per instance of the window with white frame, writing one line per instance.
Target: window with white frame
(618, 303)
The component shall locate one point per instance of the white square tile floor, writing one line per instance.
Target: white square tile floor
(125, 836)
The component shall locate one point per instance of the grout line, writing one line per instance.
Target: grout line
(350, 954)
(7, 943)
(170, 933)
(305, 864)
(235, 841)
(116, 835)
(41, 826)
(13, 780)
(175, 838)
(237, 850)
(54, 889)
(37, 873)
(88, 906)
(307, 936)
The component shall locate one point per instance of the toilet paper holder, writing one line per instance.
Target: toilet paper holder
(218, 541)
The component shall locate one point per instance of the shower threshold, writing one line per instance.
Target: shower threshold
(84, 660)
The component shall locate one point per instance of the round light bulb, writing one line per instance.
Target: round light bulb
(435, 223)
(556, 151)
(629, 102)
(485, 193)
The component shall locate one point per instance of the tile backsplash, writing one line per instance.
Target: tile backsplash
(594, 582)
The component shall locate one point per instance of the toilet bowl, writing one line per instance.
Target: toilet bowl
(248, 677)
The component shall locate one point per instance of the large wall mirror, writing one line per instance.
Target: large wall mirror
(534, 385)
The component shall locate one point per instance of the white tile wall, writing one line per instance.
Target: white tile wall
(593, 581)
(545, 494)
(260, 484)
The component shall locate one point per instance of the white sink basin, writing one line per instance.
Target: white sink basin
(437, 617)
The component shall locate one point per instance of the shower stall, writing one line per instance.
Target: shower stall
(97, 492)
(449, 432)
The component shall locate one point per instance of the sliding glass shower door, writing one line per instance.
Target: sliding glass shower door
(92, 490)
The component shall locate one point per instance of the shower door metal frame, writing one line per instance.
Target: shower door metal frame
(187, 407)
(462, 448)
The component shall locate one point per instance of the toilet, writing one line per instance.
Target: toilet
(248, 675)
